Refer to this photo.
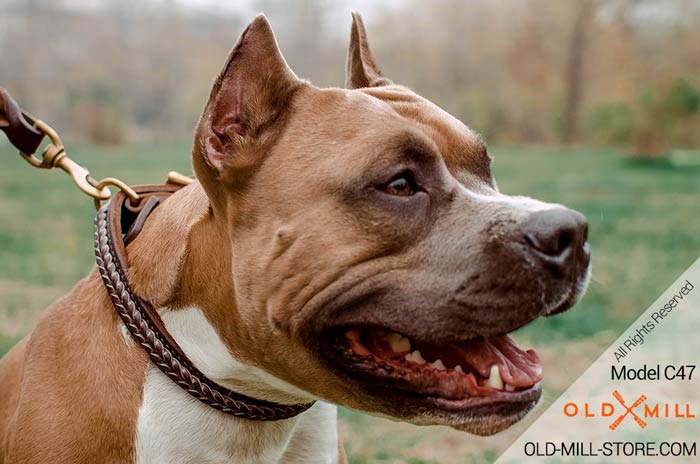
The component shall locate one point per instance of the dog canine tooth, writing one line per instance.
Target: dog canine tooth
(397, 342)
(458, 368)
(415, 357)
(438, 365)
(494, 381)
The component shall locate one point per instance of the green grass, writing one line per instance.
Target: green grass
(644, 231)
(6, 343)
(46, 227)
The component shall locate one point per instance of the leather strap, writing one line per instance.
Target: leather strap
(143, 321)
(18, 126)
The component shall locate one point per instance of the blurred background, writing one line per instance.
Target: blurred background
(590, 103)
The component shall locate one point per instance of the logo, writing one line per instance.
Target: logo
(640, 411)
(628, 410)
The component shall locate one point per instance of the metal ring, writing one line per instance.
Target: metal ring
(33, 160)
(49, 131)
(128, 191)
(46, 131)
(112, 181)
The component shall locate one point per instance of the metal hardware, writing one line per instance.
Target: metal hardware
(54, 156)
(179, 179)
(128, 191)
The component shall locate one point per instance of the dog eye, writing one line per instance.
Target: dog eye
(403, 185)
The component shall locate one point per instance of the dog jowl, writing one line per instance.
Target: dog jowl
(370, 246)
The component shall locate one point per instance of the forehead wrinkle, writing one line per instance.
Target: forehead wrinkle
(462, 149)
(412, 146)
(377, 112)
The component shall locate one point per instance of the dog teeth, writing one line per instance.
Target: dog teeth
(510, 388)
(458, 368)
(438, 365)
(415, 357)
(397, 342)
(494, 381)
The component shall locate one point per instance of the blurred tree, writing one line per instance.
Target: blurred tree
(98, 109)
(610, 123)
(573, 78)
(520, 71)
(660, 115)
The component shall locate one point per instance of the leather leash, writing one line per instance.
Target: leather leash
(18, 126)
(116, 225)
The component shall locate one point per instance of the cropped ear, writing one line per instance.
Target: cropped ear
(249, 99)
(361, 70)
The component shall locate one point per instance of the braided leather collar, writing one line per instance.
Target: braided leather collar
(144, 323)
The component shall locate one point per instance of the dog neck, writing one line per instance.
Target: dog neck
(181, 263)
(172, 427)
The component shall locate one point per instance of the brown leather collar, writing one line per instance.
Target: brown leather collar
(143, 321)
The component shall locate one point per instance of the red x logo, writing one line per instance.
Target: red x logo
(628, 410)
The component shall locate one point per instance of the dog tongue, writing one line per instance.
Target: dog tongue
(517, 367)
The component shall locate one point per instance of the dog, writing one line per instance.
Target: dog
(348, 246)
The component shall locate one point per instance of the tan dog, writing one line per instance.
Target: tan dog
(345, 245)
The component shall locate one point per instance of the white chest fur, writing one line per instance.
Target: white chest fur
(173, 427)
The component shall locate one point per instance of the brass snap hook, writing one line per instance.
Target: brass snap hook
(54, 156)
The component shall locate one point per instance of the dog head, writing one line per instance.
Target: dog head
(373, 261)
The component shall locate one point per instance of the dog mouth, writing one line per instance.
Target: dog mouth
(453, 377)
(466, 374)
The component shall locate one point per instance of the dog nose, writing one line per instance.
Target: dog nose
(558, 235)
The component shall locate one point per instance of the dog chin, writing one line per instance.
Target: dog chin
(573, 295)
(480, 425)
(487, 426)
